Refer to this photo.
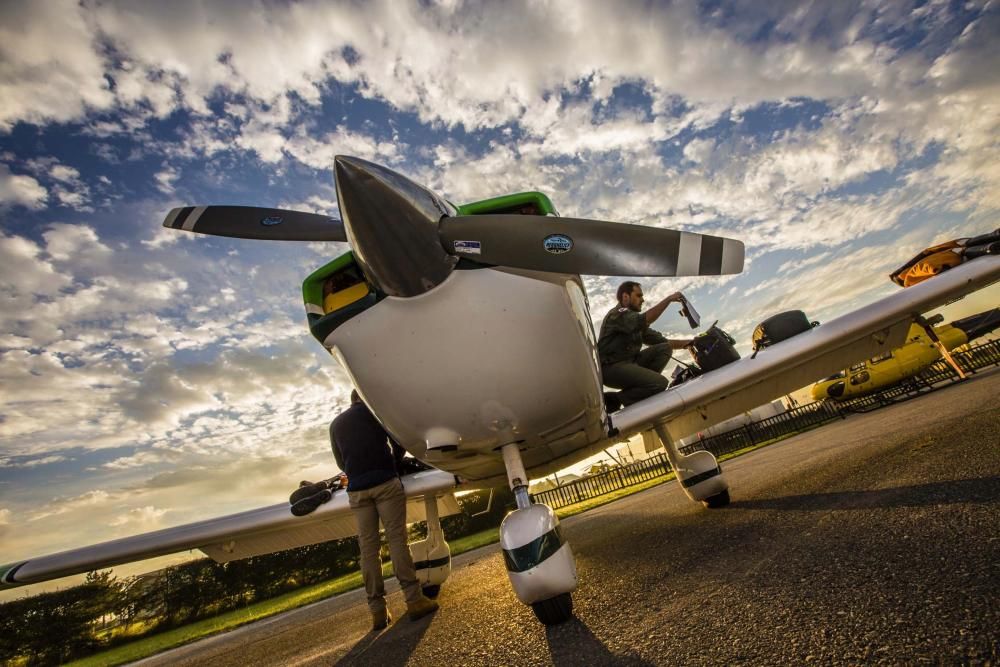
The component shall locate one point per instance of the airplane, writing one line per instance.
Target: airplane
(905, 362)
(466, 330)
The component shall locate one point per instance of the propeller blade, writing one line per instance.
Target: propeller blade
(252, 222)
(591, 247)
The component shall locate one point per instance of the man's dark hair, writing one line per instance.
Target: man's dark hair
(626, 288)
(355, 396)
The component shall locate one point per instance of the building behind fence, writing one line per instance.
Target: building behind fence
(790, 422)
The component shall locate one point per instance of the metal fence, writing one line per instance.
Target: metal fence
(605, 482)
(790, 422)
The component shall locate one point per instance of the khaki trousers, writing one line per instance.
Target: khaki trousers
(387, 502)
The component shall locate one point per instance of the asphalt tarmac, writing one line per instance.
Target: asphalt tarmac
(872, 540)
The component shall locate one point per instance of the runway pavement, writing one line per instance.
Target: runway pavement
(871, 540)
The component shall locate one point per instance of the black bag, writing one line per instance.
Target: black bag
(714, 349)
(780, 327)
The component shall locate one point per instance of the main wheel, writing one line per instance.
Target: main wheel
(432, 590)
(554, 610)
(717, 501)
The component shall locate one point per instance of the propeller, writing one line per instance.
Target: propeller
(407, 239)
(592, 247)
(251, 222)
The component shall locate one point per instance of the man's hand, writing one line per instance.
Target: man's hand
(653, 313)
(682, 344)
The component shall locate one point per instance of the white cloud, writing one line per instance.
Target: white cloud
(17, 189)
(67, 186)
(140, 459)
(52, 68)
(161, 395)
(64, 173)
(698, 150)
(318, 153)
(165, 179)
(399, 52)
(32, 463)
(23, 271)
(86, 501)
(78, 243)
(264, 140)
(140, 518)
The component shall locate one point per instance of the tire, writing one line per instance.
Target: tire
(432, 590)
(717, 501)
(554, 610)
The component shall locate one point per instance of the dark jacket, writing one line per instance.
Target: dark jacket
(623, 332)
(363, 449)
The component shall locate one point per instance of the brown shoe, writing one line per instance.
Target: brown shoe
(421, 608)
(380, 621)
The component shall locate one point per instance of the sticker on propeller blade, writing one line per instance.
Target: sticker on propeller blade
(271, 221)
(469, 247)
(557, 244)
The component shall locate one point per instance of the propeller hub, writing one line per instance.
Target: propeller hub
(392, 225)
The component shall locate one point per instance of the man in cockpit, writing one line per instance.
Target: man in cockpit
(625, 365)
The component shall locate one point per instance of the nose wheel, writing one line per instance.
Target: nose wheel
(717, 501)
(539, 561)
(554, 610)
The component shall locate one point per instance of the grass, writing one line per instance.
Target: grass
(163, 641)
(210, 626)
(148, 646)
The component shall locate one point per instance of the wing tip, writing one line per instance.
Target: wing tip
(7, 573)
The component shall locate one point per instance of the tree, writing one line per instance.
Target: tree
(56, 627)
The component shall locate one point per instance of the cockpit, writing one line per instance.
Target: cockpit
(335, 293)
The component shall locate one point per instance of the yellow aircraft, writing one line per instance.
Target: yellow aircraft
(919, 352)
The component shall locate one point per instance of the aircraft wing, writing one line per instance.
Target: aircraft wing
(251, 533)
(803, 359)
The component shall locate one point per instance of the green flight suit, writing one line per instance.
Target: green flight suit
(624, 364)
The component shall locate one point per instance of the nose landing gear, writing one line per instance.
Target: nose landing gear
(539, 561)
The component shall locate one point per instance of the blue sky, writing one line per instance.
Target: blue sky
(152, 378)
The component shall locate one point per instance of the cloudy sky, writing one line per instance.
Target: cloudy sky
(149, 378)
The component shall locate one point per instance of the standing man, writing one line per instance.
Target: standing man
(624, 364)
(369, 457)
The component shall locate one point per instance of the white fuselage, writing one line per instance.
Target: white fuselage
(489, 357)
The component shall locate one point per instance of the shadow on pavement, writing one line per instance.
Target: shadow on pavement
(976, 490)
(404, 636)
(570, 640)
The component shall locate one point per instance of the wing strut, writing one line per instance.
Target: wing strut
(926, 326)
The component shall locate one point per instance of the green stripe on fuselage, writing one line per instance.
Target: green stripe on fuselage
(312, 287)
(506, 202)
